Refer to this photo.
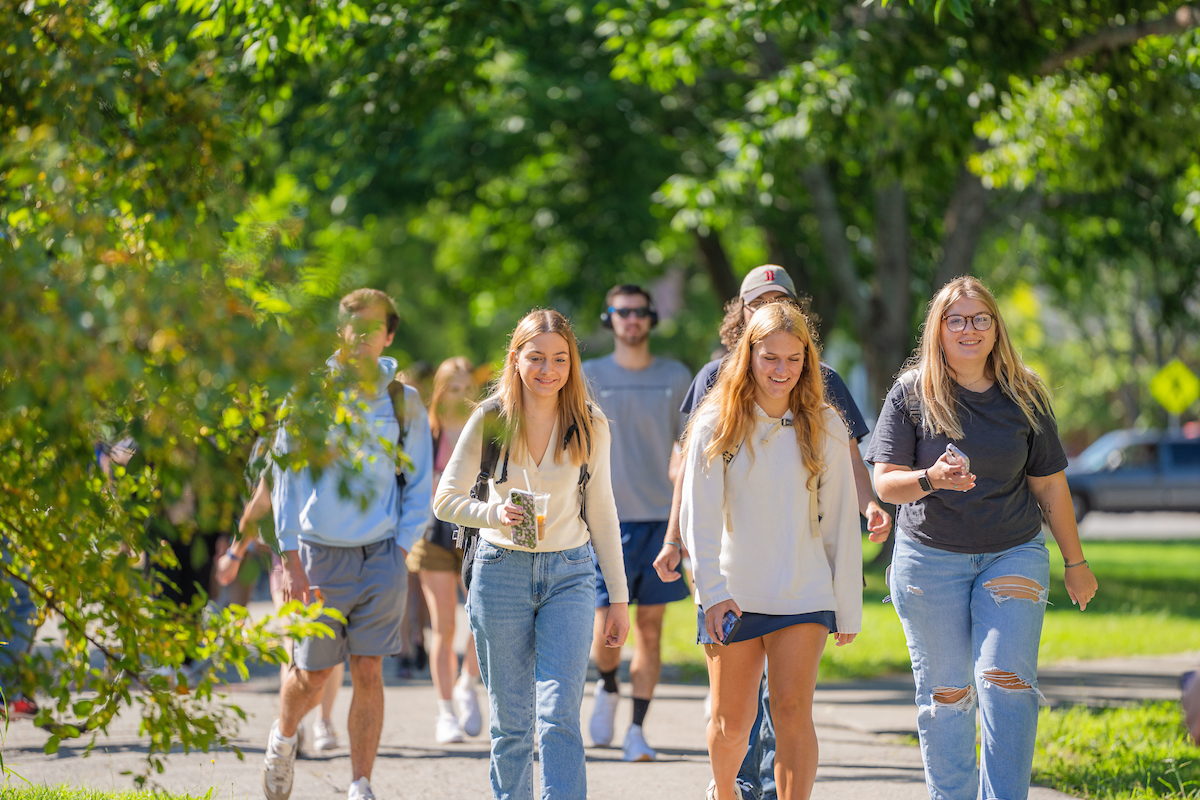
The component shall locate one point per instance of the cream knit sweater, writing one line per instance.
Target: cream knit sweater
(565, 527)
(748, 529)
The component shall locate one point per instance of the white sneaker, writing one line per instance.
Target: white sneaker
(636, 748)
(447, 730)
(711, 794)
(324, 736)
(360, 790)
(279, 765)
(604, 714)
(469, 718)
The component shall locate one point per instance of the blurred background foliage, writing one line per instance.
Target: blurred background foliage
(187, 187)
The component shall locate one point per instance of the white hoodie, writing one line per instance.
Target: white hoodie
(748, 529)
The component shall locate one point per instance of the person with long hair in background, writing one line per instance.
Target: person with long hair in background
(967, 446)
(438, 562)
(771, 521)
(531, 602)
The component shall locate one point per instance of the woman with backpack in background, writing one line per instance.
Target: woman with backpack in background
(531, 600)
(439, 563)
(770, 518)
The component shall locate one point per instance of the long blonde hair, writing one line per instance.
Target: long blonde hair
(731, 400)
(934, 381)
(448, 370)
(572, 397)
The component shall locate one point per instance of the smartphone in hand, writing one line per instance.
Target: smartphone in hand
(525, 532)
(957, 457)
(729, 626)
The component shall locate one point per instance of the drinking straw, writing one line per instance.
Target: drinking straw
(527, 485)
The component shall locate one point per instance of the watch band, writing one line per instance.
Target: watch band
(923, 480)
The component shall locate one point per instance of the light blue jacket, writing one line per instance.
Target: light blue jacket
(321, 513)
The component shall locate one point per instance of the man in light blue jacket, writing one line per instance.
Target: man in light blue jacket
(344, 537)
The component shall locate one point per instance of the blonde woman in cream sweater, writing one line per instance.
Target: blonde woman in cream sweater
(763, 447)
(531, 608)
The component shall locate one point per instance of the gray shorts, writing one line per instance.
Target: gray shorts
(369, 586)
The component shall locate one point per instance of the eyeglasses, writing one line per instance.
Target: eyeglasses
(956, 323)
(641, 312)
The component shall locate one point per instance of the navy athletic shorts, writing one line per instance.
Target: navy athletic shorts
(641, 543)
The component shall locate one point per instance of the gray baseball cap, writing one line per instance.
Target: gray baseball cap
(767, 278)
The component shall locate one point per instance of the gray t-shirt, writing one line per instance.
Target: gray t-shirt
(1000, 512)
(643, 412)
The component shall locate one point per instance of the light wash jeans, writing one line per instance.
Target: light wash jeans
(532, 614)
(17, 630)
(973, 624)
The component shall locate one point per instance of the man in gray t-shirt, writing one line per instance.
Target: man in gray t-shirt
(640, 395)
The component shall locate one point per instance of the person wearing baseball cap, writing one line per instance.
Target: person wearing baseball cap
(765, 284)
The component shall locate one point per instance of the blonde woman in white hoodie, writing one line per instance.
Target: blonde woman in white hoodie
(771, 521)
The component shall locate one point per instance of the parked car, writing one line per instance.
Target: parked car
(1130, 470)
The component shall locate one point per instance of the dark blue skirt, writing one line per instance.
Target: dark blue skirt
(755, 625)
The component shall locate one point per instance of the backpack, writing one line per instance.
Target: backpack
(467, 539)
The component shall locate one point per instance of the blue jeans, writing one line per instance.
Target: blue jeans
(757, 772)
(17, 613)
(973, 623)
(531, 614)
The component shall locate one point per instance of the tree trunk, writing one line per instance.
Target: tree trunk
(716, 264)
(838, 259)
(888, 336)
(964, 227)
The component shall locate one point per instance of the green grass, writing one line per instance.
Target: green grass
(1134, 753)
(18, 790)
(1148, 603)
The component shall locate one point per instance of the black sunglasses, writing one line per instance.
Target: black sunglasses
(641, 312)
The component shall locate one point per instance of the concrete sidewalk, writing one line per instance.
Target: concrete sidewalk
(855, 762)
(864, 729)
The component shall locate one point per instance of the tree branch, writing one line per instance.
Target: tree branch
(833, 238)
(54, 606)
(1117, 36)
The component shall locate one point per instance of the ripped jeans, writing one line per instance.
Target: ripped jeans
(973, 623)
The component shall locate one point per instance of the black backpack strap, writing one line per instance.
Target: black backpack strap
(488, 459)
(396, 392)
(584, 474)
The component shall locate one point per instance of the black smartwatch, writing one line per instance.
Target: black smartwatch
(923, 480)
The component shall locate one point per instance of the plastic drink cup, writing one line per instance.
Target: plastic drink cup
(541, 501)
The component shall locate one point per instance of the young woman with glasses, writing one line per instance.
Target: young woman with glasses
(970, 572)
(531, 608)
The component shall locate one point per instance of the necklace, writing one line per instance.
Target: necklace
(972, 383)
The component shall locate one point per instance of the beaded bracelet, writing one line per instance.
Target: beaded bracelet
(1083, 563)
